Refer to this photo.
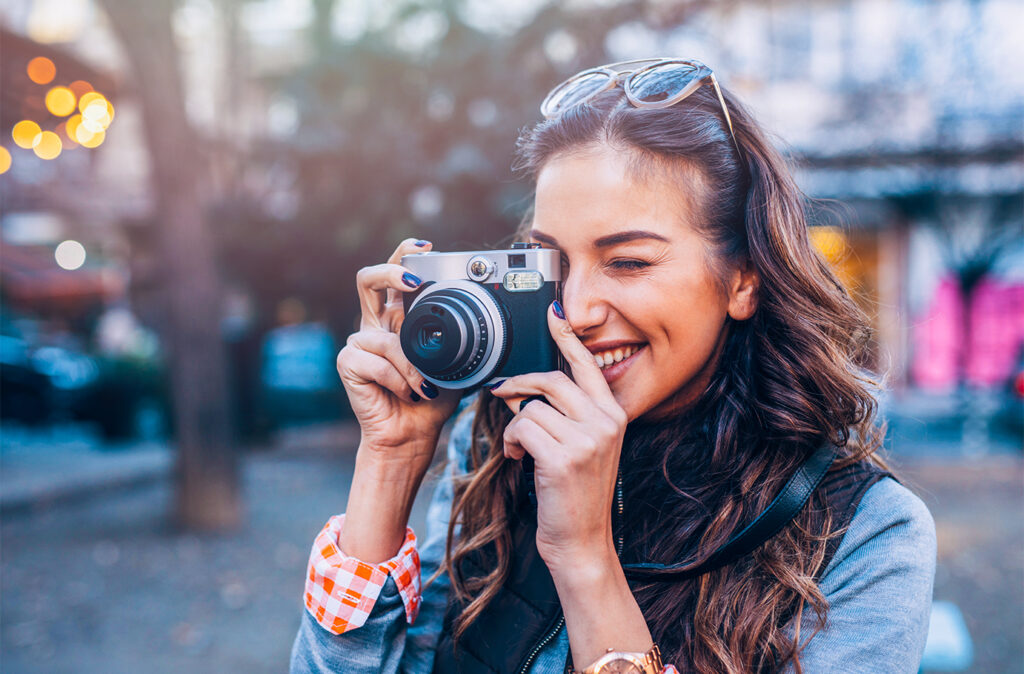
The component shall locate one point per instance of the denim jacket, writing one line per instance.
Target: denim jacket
(878, 586)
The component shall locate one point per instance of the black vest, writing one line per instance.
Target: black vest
(525, 615)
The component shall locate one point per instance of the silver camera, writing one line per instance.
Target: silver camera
(480, 316)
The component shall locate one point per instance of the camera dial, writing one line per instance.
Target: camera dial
(480, 268)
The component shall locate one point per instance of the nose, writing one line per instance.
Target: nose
(585, 309)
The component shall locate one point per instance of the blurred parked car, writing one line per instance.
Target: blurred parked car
(125, 398)
(298, 377)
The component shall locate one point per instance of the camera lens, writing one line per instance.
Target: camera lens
(453, 334)
(431, 339)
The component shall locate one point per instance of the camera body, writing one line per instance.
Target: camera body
(480, 316)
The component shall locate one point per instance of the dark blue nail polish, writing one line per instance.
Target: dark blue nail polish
(411, 280)
(557, 308)
(429, 390)
(421, 243)
(496, 384)
(415, 397)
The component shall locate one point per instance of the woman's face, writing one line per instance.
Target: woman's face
(638, 288)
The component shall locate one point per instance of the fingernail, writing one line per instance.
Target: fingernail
(557, 308)
(411, 280)
(496, 384)
(421, 243)
(415, 397)
(429, 390)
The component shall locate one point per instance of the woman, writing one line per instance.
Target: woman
(712, 354)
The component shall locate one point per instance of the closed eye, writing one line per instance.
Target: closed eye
(629, 265)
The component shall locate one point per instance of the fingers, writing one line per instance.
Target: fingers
(386, 345)
(524, 435)
(382, 284)
(373, 284)
(358, 366)
(561, 393)
(407, 247)
(585, 371)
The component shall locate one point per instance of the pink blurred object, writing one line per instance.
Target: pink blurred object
(938, 339)
(990, 347)
(996, 332)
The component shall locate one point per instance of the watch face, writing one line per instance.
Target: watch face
(621, 666)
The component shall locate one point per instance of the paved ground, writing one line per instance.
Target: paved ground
(103, 583)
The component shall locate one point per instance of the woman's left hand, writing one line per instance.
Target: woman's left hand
(575, 442)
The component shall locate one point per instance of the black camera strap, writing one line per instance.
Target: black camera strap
(780, 512)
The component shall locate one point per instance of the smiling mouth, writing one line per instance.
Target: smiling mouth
(605, 359)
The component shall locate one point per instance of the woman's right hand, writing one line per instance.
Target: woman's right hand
(399, 412)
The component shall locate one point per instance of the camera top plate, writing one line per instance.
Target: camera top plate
(456, 266)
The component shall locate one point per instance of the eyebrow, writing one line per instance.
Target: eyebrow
(604, 241)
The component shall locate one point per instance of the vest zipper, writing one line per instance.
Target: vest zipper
(618, 551)
(543, 642)
(618, 510)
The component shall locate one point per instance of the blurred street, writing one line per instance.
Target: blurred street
(100, 581)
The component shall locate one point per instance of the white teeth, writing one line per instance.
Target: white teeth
(606, 358)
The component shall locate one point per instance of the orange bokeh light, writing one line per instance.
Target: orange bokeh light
(24, 133)
(80, 88)
(41, 70)
(47, 145)
(60, 101)
(5, 160)
(72, 126)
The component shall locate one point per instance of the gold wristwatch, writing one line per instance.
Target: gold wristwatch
(617, 662)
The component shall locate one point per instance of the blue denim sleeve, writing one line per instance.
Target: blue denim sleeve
(879, 588)
(386, 644)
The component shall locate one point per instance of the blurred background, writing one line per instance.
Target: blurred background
(187, 188)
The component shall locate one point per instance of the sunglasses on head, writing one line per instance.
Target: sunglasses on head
(648, 83)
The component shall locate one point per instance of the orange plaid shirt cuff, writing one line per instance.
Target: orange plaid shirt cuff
(341, 590)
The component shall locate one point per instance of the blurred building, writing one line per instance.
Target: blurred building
(910, 114)
(905, 116)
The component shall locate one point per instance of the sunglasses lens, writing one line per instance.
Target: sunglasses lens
(573, 92)
(663, 82)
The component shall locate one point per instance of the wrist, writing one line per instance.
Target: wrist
(582, 565)
(379, 502)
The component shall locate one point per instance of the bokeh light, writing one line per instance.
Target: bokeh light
(41, 70)
(69, 254)
(5, 160)
(80, 88)
(71, 128)
(24, 133)
(47, 145)
(87, 99)
(60, 101)
(87, 138)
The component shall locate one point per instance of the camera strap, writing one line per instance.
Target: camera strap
(780, 512)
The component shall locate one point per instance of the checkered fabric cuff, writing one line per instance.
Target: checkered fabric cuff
(341, 590)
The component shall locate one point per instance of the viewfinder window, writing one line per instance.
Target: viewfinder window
(517, 261)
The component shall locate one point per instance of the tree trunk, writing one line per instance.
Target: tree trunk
(207, 495)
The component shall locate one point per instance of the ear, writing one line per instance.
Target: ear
(743, 287)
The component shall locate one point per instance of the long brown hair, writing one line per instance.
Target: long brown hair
(788, 379)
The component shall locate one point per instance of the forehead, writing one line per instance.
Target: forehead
(592, 193)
